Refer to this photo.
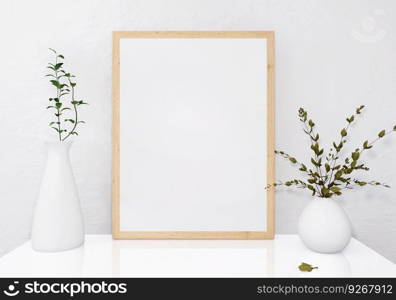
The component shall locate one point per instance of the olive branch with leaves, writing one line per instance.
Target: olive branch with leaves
(327, 176)
(65, 89)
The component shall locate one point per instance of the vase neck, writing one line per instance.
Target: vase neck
(323, 198)
(58, 147)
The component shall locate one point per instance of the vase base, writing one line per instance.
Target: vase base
(325, 249)
(58, 249)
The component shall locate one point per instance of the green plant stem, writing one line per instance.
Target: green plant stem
(75, 114)
(334, 161)
(337, 174)
(376, 140)
(58, 96)
(371, 182)
(316, 156)
(348, 184)
(300, 184)
(62, 80)
(288, 157)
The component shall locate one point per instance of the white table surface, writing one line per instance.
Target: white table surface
(101, 256)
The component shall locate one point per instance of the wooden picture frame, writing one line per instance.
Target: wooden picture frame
(268, 233)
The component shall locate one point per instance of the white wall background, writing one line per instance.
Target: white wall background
(331, 56)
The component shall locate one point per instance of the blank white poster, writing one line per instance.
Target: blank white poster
(193, 140)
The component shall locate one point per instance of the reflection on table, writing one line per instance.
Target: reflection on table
(103, 257)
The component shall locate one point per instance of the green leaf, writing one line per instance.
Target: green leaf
(50, 106)
(381, 133)
(324, 191)
(311, 123)
(73, 132)
(56, 83)
(336, 190)
(315, 148)
(343, 132)
(303, 168)
(58, 105)
(310, 187)
(338, 174)
(366, 145)
(61, 56)
(351, 119)
(314, 162)
(394, 128)
(327, 166)
(293, 160)
(355, 155)
(359, 109)
(70, 120)
(304, 267)
(58, 66)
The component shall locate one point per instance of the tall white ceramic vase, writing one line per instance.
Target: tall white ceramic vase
(324, 226)
(58, 221)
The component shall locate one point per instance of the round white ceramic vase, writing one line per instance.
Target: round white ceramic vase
(324, 226)
(57, 221)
